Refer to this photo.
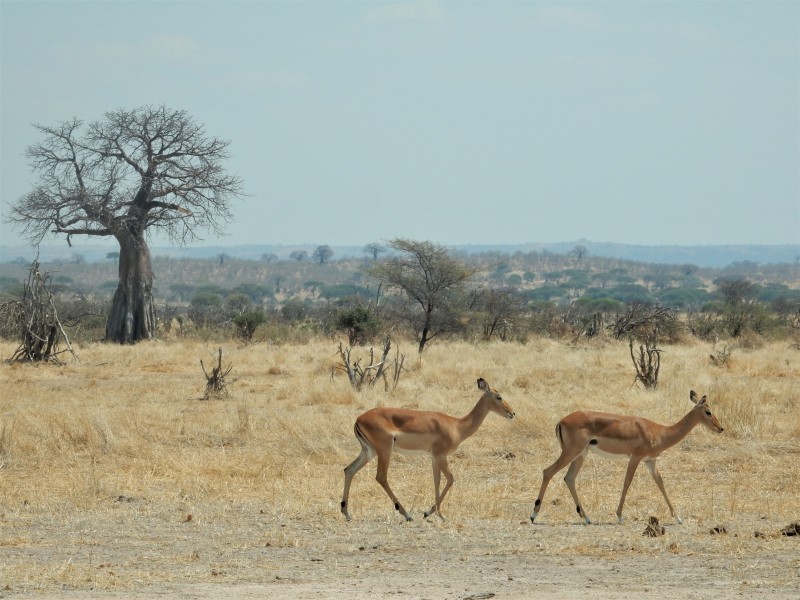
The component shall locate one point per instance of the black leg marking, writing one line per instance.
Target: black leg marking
(579, 509)
(538, 502)
(397, 506)
(344, 503)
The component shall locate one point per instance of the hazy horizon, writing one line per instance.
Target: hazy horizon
(713, 256)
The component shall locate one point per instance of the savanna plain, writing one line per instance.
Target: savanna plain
(117, 480)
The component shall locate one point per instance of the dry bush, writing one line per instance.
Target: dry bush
(115, 444)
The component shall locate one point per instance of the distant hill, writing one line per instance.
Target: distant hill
(701, 256)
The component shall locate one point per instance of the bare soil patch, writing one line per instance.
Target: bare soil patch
(135, 550)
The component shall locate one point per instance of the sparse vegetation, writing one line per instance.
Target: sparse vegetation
(89, 449)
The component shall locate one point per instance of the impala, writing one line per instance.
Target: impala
(619, 436)
(381, 431)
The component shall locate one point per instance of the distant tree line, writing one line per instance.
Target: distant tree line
(423, 291)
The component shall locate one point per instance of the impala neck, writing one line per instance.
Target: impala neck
(675, 433)
(470, 423)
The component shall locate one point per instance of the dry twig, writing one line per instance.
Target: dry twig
(40, 327)
(216, 385)
(647, 363)
(360, 375)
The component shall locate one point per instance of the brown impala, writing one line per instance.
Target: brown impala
(381, 431)
(617, 436)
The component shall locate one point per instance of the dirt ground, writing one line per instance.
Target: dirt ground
(142, 553)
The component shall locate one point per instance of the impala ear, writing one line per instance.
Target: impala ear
(693, 397)
(482, 385)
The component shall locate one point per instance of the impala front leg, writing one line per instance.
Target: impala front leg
(651, 466)
(632, 466)
(437, 478)
(440, 466)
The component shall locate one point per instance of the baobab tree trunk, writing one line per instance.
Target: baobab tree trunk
(133, 316)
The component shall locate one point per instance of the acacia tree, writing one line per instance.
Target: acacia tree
(740, 311)
(133, 172)
(430, 278)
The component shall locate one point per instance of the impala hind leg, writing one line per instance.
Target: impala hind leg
(651, 466)
(440, 466)
(569, 479)
(561, 462)
(382, 478)
(367, 454)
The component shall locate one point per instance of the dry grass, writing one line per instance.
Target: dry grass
(113, 475)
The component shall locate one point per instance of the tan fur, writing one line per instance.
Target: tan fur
(382, 431)
(608, 434)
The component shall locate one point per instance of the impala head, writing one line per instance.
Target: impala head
(496, 402)
(709, 420)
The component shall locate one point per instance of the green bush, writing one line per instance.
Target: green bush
(247, 323)
(358, 323)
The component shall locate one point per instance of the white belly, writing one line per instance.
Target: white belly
(405, 452)
(610, 455)
(397, 446)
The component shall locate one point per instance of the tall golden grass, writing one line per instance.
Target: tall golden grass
(94, 446)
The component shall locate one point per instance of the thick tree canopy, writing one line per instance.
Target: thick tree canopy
(135, 171)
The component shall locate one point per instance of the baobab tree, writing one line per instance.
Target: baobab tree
(374, 249)
(322, 254)
(125, 176)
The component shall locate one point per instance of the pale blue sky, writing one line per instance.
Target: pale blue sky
(456, 122)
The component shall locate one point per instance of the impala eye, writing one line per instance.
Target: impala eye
(708, 412)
